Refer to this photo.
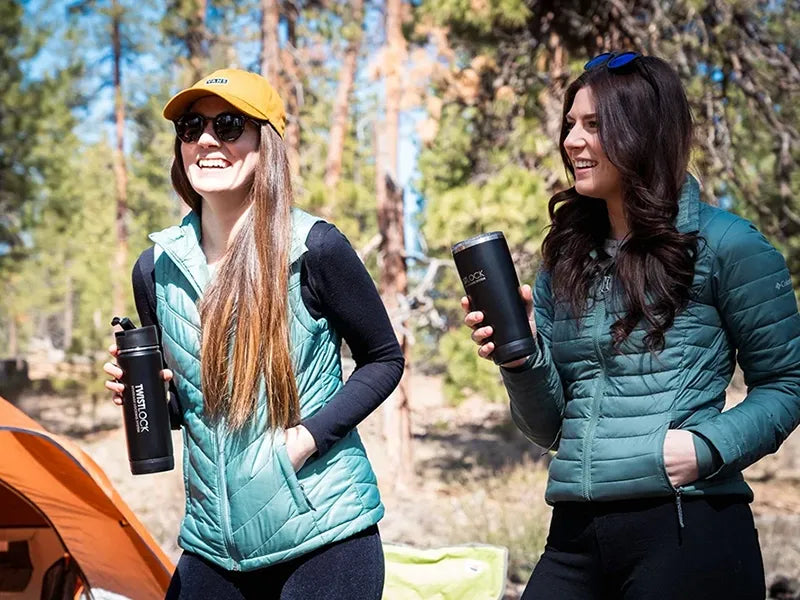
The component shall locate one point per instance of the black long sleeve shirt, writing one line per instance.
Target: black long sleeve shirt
(335, 285)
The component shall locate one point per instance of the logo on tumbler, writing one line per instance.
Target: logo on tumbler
(473, 278)
(141, 409)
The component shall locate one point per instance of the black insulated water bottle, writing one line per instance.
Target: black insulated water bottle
(144, 401)
(490, 281)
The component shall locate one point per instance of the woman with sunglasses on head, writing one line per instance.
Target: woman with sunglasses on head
(252, 298)
(645, 299)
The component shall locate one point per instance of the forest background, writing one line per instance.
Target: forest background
(411, 125)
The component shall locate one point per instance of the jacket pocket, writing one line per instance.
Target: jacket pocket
(289, 475)
(661, 435)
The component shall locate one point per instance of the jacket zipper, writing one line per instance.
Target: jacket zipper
(223, 500)
(227, 534)
(679, 505)
(600, 318)
(305, 495)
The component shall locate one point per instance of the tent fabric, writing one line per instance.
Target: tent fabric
(112, 548)
(468, 572)
(17, 512)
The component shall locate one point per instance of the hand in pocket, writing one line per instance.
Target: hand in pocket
(680, 459)
(300, 445)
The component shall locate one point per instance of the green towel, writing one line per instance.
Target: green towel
(470, 572)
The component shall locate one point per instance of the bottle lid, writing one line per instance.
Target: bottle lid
(477, 239)
(128, 339)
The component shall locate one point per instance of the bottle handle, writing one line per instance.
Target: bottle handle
(123, 322)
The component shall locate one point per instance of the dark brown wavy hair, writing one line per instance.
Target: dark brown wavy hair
(645, 128)
(249, 296)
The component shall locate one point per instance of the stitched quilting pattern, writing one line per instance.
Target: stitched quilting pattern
(259, 512)
(616, 406)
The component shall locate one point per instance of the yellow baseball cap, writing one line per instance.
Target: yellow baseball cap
(248, 92)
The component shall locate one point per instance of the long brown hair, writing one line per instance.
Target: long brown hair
(645, 129)
(244, 311)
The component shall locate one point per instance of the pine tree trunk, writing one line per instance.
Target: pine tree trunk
(338, 132)
(279, 68)
(270, 48)
(396, 45)
(69, 312)
(291, 90)
(13, 340)
(120, 171)
(394, 279)
(196, 36)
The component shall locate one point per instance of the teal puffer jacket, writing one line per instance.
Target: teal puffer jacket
(608, 412)
(246, 507)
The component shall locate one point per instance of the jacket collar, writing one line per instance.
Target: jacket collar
(182, 244)
(688, 218)
(298, 247)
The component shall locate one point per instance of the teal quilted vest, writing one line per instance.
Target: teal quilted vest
(608, 411)
(246, 508)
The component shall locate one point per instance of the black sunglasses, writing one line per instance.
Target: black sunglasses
(614, 61)
(228, 127)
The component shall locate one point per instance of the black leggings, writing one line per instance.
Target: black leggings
(351, 569)
(636, 550)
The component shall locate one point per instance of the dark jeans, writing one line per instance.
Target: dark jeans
(352, 569)
(636, 550)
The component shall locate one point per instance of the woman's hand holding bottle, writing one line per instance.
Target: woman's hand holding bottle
(111, 369)
(300, 444)
(473, 319)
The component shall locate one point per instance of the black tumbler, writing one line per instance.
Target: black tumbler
(490, 281)
(144, 404)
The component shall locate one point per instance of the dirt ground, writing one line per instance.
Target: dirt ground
(477, 480)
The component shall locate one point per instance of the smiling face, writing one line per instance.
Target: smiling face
(595, 175)
(216, 168)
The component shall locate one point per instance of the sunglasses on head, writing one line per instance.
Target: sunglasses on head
(228, 127)
(614, 61)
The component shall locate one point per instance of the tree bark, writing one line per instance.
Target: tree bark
(195, 40)
(394, 277)
(292, 90)
(397, 48)
(270, 48)
(13, 339)
(279, 67)
(120, 170)
(341, 109)
(69, 312)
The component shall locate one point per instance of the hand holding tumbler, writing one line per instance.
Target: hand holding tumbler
(490, 281)
(144, 401)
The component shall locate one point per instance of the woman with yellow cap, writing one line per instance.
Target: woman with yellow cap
(252, 298)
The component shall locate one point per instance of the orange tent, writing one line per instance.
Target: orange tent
(56, 504)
